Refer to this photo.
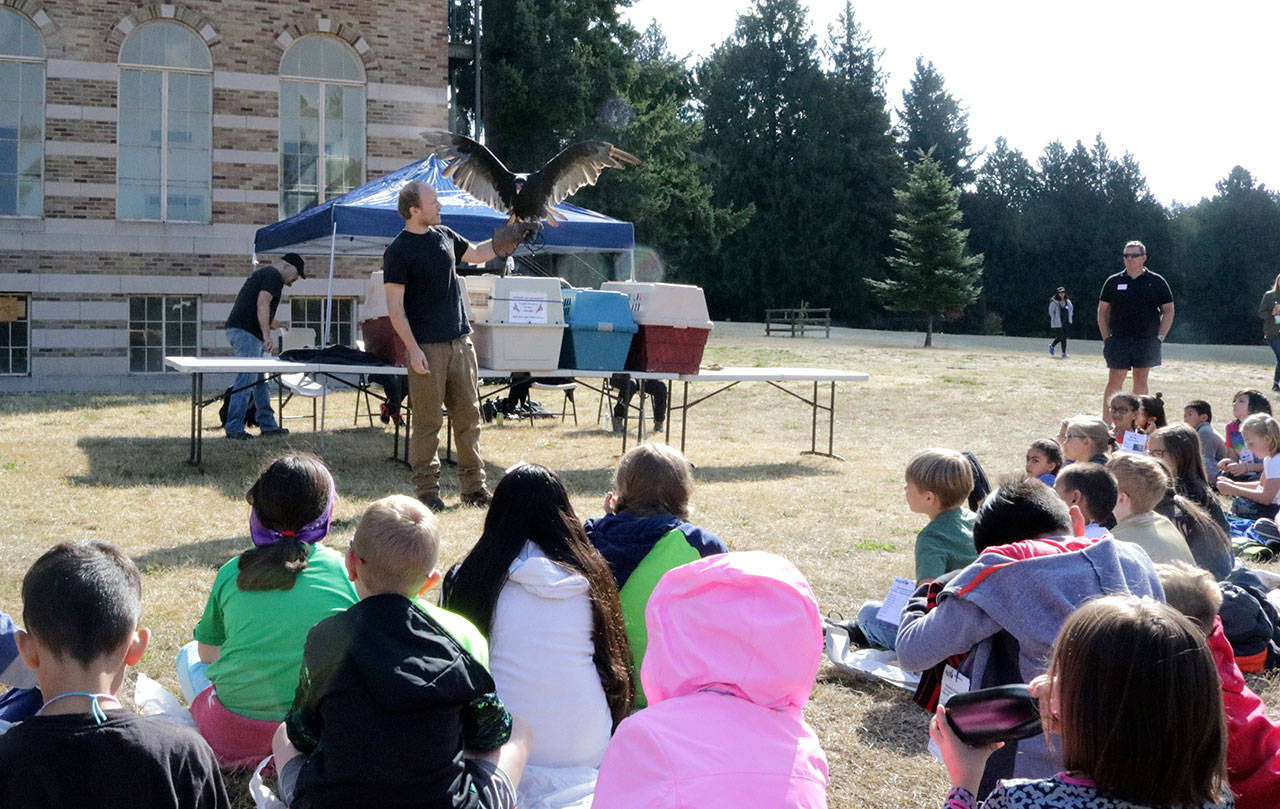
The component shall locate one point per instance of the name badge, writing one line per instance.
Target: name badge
(1122, 286)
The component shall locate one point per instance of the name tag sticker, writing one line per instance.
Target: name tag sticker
(1122, 286)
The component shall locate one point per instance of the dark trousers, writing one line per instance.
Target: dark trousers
(1275, 347)
(627, 387)
(1060, 336)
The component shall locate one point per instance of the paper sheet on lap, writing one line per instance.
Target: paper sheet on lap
(873, 664)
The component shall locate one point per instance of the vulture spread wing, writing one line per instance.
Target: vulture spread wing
(576, 166)
(474, 169)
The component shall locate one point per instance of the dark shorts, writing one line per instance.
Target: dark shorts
(1123, 353)
(487, 780)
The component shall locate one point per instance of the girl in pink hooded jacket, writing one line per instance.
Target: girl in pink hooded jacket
(734, 645)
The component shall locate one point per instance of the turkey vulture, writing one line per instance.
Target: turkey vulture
(523, 197)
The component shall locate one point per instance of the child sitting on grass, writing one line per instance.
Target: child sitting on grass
(23, 698)
(81, 603)
(391, 710)
(646, 532)
(1142, 483)
(1198, 414)
(937, 483)
(240, 673)
(1241, 463)
(1044, 460)
(1091, 487)
(1131, 689)
(1257, 499)
(735, 643)
(1253, 740)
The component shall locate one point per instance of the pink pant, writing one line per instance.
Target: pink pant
(237, 741)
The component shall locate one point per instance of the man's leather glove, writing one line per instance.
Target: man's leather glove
(508, 237)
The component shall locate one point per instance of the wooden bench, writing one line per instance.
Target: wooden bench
(796, 321)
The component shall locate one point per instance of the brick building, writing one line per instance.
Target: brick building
(142, 145)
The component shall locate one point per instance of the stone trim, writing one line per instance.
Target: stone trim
(34, 11)
(321, 24)
(202, 25)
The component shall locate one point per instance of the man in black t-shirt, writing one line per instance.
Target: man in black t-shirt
(249, 331)
(1135, 313)
(424, 304)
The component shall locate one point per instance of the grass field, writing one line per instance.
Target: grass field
(113, 467)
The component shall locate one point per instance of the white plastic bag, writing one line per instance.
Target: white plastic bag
(156, 701)
(263, 797)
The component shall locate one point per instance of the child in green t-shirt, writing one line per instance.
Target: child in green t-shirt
(937, 483)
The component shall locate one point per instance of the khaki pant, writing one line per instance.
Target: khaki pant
(450, 382)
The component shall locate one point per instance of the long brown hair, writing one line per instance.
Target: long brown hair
(1133, 674)
(531, 504)
(290, 492)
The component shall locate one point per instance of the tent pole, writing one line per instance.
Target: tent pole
(328, 299)
(631, 262)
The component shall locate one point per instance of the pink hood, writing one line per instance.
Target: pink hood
(734, 644)
(742, 623)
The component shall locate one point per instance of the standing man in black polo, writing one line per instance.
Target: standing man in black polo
(1135, 313)
(424, 304)
(249, 331)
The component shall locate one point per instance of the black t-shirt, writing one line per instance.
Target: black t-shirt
(244, 315)
(1135, 303)
(426, 264)
(69, 760)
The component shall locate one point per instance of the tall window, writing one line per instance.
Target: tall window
(166, 125)
(308, 313)
(21, 117)
(161, 325)
(322, 125)
(15, 334)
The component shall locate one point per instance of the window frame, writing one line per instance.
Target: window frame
(165, 71)
(321, 163)
(25, 297)
(163, 328)
(335, 324)
(43, 61)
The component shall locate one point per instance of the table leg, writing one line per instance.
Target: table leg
(684, 415)
(831, 422)
(195, 404)
(199, 383)
(813, 432)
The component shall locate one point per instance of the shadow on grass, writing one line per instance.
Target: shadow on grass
(26, 403)
(893, 722)
(212, 553)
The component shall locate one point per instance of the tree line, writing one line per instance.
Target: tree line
(776, 170)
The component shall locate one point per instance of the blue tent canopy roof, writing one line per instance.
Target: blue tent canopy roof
(367, 219)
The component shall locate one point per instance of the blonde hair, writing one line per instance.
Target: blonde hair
(944, 472)
(653, 479)
(398, 540)
(1191, 591)
(1144, 479)
(1264, 426)
(1095, 429)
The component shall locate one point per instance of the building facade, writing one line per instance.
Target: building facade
(141, 146)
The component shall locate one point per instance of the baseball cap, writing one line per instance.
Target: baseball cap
(1060, 289)
(296, 261)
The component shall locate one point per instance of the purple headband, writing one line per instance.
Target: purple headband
(312, 532)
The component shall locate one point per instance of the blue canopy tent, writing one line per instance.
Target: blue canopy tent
(363, 221)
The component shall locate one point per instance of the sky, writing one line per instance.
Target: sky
(1190, 89)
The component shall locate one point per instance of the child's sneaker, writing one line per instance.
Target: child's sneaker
(1050, 351)
(1065, 355)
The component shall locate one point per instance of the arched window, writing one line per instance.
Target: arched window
(165, 125)
(322, 126)
(21, 116)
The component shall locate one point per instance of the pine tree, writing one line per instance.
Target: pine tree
(936, 275)
(935, 122)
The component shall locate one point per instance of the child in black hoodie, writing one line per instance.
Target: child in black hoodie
(391, 710)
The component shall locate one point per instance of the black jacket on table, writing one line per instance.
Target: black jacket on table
(386, 703)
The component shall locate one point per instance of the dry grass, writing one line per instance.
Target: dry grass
(113, 467)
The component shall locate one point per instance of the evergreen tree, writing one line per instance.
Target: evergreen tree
(936, 124)
(937, 277)
(669, 196)
(758, 91)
